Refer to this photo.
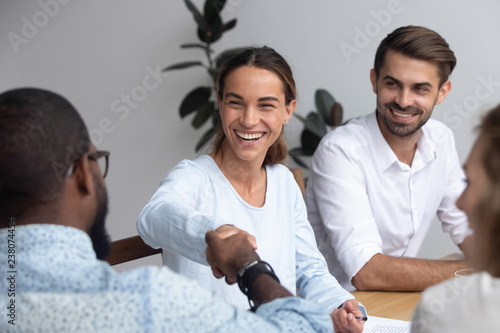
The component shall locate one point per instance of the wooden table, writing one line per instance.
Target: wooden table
(394, 305)
(389, 304)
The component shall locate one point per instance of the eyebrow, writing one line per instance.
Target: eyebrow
(232, 94)
(418, 84)
(268, 98)
(261, 99)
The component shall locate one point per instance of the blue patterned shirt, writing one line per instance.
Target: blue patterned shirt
(58, 285)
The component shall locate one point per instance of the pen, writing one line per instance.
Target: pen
(363, 318)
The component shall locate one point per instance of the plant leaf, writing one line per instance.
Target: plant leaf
(309, 141)
(205, 139)
(336, 114)
(299, 162)
(196, 45)
(213, 8)
(216, 121)
(314, 123)
(204, 113)
(194, 100)
(294, 154)
(213, 73)
(183, 65)
(324, 102)
(229, 25)
(213, 31)
(202, 23)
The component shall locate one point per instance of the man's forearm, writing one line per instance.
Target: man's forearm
(383, 272)
(265, 289)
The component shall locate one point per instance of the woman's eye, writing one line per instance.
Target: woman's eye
(234, 103)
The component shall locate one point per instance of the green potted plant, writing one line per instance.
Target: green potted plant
(327, 116)
(202, 100)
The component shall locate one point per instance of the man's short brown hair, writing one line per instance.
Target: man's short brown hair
(418, 43)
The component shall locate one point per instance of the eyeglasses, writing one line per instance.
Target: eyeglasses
(102, 162)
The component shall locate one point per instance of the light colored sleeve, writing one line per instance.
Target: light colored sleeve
(171, 220)
(178, 304)
(427, 317)
(454, 221)
(339, 189)
(314, 281)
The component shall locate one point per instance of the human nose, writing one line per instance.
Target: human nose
(250, 117)
(404, 98)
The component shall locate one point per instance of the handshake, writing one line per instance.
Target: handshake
(231, 254)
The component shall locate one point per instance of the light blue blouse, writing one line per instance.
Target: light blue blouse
(195, 197)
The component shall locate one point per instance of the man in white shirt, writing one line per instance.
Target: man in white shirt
(377, 183)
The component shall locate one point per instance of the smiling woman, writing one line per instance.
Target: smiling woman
(265, 66)
(242, 187)
(253, 112)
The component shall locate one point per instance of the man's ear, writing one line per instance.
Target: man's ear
(83, 176)
(373, 80)
(443, 91)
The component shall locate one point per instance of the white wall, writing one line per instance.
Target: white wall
(95, 52)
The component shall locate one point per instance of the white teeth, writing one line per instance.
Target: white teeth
(246, 136)
(404, 115)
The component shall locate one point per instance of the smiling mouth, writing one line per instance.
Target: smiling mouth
(402, 115)
(249, 137)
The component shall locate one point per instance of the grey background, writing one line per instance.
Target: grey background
(95, 52)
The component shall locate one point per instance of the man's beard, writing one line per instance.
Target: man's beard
(401, 129)
(98, 234)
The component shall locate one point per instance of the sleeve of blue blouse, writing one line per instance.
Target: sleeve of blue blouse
(314, 281)
(171, 220)
(345, 210)
(454, 221)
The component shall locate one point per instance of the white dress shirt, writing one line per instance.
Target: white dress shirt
(362, 200)
(468, 304)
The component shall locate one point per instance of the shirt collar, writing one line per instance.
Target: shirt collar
(386, 157)
(426, 150)
(384, 153)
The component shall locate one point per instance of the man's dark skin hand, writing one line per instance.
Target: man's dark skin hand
(227, 256)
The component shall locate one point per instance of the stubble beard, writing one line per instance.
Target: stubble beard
(401, 129)
(98, 233)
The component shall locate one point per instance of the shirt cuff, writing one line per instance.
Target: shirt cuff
(356, 257)
(458, 234)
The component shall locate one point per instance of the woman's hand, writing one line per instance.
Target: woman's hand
(227, 230)
(344, 318)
